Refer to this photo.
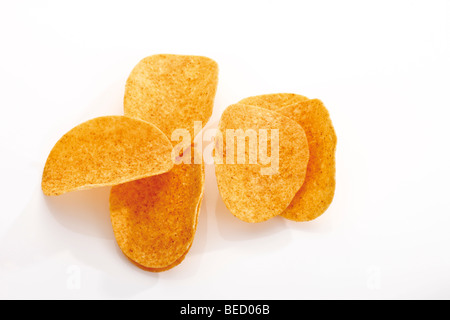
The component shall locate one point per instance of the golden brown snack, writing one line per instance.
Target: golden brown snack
(274, 101)
(106, 151)
(250, 191)
(171, 266)
(317, 192)
(179, 260)
(172, 91)
(155, 219)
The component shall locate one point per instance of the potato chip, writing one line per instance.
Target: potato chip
(106, 151)
(179, 260)
(274, 101)
(317, 192)
(172, 91)
(255, 186)
(171, 266)
(155, 219)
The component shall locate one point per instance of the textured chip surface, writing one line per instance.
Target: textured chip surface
(106, 151)
(250, 195)
(274, 101)
(180, 259)
(172, 91)
(317, 192)
(155, 219)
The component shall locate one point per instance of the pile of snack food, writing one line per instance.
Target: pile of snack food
(274, 155)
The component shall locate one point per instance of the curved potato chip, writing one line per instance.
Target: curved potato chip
(180, 259)
(106, 151)
(317, 192)
(171, 266)
(274, 101)
(172, 91)
(254, 186)
(155, 219)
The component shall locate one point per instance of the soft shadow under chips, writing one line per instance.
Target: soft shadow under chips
(106, 151)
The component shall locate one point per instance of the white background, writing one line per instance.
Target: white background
(381, 67)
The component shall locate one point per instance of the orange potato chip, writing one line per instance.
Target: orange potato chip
(274, 101)
(251, 190)
(179, 260)
(317, 192)
(172, 91)
(155, 219)
(171, 266)
(106, 151)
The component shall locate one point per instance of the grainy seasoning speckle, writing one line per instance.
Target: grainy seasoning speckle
(274, 101)
(106, 151)
(155, 219)
(317, 192)
(248, 194)
(172, 91)
(179, 260)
